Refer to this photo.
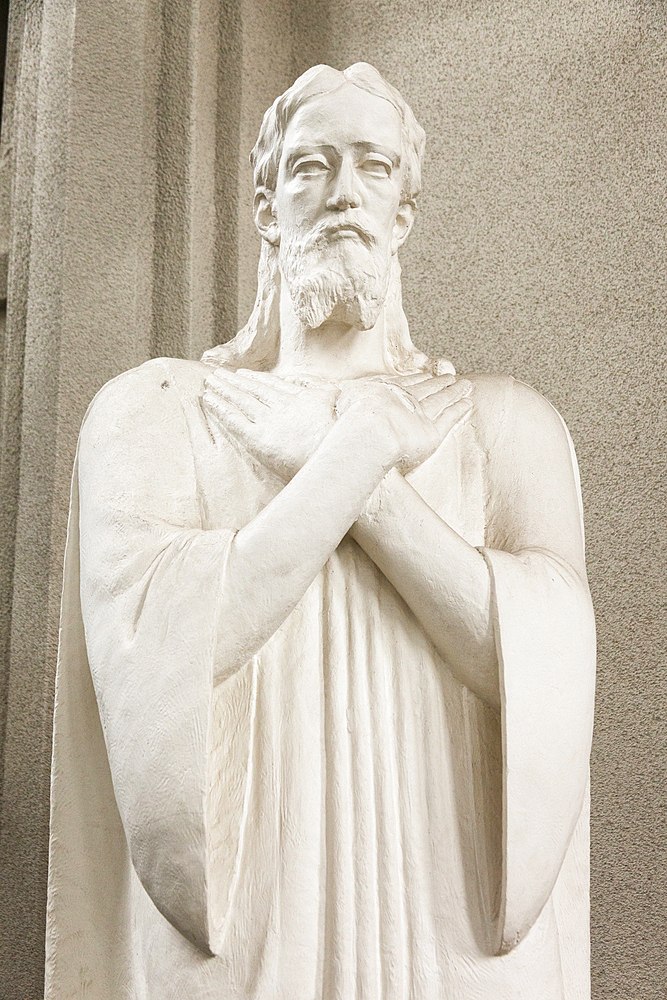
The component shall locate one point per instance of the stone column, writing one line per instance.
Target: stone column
(121, 250)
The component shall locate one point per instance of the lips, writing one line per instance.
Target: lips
(347, 231)
(344, 231)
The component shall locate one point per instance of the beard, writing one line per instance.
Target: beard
(329, 277)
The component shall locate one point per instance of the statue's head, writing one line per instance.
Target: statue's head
(337, 169)
(324, 82)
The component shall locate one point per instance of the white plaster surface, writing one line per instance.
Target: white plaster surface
(328, 603)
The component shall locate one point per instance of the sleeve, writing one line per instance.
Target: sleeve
(545, 641)
(151, 594)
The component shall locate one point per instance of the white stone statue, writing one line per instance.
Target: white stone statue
(325, 688)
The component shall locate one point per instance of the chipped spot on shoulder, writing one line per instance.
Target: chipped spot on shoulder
(154, 385)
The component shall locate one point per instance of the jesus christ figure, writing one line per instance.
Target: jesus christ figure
(326, 671)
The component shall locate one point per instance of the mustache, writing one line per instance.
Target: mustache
(321, 234)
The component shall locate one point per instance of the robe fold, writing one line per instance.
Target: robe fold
(331, 816)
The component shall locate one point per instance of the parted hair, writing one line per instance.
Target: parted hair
(322, 79)
(257, 344)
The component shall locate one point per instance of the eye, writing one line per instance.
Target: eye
(376, 166)
(310, 166)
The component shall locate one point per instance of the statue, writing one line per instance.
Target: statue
(324, 698)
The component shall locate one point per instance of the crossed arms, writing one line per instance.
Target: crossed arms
(338, 451)
(170, 606)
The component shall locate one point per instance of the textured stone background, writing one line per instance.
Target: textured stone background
(539, 251)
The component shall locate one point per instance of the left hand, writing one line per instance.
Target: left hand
(280, 423)
(438, 404)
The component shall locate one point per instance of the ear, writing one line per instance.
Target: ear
(265, 220)
(403, 224)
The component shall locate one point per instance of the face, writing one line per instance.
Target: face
(337, 210)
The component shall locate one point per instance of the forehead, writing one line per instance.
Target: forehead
(347, 116)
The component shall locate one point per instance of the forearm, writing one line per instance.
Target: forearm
(275, 557)
(442, 578)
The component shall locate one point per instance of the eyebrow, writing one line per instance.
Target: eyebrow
(327, 149)
(301, 151)
(372, 147)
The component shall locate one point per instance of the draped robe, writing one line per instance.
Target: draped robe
(332, 816)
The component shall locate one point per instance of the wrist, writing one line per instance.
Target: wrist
(372, 433)
(380, 501)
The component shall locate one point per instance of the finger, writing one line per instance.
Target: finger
(264, 392)
(408, 380)
(425, 389)
(404, 396)
(452, 415)
(268, 379)
(230, 417)
(436, 401)
(246, 402)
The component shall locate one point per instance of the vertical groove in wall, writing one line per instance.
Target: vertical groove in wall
(80, 282)
(266, 71)
(203, 235)
(27, 738)
(17, 143)
(226, 177)
(171, 292)
(197, 147)
(311, 33)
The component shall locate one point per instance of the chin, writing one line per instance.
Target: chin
(361, 313)
(316, 303)
(347, 283)
(326, 296)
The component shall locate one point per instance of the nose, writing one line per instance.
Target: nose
(344, 193)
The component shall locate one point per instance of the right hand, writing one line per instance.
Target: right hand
(279, 422)
(413, 414)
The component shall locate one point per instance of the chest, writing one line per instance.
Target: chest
(233, 488)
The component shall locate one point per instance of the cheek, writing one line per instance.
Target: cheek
(383, 206)
(300, 206)
(386, 225)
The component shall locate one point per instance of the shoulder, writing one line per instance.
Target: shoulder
(155, 391)
(141, 421)
(508, 412)
(135, 450)
(531, 476)
(150, 382)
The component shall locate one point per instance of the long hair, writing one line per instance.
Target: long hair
(257, 344)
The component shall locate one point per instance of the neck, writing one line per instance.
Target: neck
(335, 350)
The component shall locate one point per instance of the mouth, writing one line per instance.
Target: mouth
(348, 231)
